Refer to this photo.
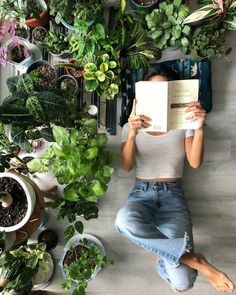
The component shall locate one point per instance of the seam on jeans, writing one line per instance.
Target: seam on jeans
(186, 247)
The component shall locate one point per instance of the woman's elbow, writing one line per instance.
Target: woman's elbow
(195, 165)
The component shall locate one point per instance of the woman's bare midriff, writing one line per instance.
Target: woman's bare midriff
(159, 179)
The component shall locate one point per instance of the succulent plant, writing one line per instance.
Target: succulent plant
(166, 28)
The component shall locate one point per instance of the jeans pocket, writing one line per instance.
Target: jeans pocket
(177, 191)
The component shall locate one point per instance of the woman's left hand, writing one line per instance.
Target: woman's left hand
(197, 113)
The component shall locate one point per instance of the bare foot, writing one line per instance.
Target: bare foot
(219, 280)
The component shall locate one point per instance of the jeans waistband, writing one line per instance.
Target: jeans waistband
(162, 185)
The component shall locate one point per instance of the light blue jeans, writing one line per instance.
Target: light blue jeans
(156, 218)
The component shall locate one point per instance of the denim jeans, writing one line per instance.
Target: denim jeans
(156, 218)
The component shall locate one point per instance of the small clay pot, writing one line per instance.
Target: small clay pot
(48, 237)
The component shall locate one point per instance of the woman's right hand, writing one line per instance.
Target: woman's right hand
(137, 122)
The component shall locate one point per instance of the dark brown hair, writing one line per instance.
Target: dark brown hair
(160, 70)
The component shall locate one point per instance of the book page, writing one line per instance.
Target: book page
(151, 98)
(181, 93)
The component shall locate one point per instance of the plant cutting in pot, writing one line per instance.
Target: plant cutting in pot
(17, 51)
(57, 43)
(17, 198)
(76, 72)
(80, 161)
(43, 74)
(166, 27)
(38, 35)
(83, 257)
(31, 12)
(22, 31)
(23, 267)
(68, 85)
(144, 6)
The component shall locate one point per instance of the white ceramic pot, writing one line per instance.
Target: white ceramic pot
(30, 196)
(74, 241)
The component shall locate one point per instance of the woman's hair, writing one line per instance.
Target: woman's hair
(160, 70)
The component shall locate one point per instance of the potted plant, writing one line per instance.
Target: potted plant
(207, 43)
(38, 36)
(166, 28)
(82, 258)
(17, 198)
(57, 43)
(68, 85)
(24, 267)
(44, 75)
(79, 160)
(22, 31)
(77, 71)
(144, 5)
(32, 12)
(102, 76)
(214, 13)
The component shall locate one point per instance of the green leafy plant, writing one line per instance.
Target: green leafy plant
(166, 25)
(84, 259)
(57, 42)
(102, 76)
(208, 43)
(19, 266)
(21, 9)
(217, 12)
(80, 160)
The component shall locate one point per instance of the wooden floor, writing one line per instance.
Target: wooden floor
(211, 194)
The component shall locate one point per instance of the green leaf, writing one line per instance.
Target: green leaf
(103, 67)
(123, 5)
(89, 75)
(37, 165)
(91, 85)
(184, 42)
(91, 153)
(112, 64)
(70, 194)
(100, 76)
(177, 3)
(90, 67)
(69, 232)
(61, 135)
(108, 171)
(47, 134)
(19, 137)
(202, 13)
(99, 28)
(79, 227)
(98, 188)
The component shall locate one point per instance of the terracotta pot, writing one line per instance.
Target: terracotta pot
(38, 22)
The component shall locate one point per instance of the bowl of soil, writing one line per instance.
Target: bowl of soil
(49, 237)
(17, 200)
(38, 36)
(80, 253)
(77, 72)
(22, 32)
(43, 74)
(146, 5)
(68, 85)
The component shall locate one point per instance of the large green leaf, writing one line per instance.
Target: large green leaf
(91, 153)
(203, 13)
(19, 137)
(47, 134)
(98, 188)
(61, 135)
(91, 85)
(37, 165)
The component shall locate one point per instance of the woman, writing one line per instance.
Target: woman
(155, 216)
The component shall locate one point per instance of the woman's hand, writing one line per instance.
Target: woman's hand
(137, 122)
(197, 113)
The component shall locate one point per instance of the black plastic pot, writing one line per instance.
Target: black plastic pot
(135, 4)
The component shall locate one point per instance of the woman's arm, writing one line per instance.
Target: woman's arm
(194, 145)
(128, 147)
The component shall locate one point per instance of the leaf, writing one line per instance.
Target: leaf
(70, 194)
(99, 28)
(37, 165)
(177, 3)
(47, 134)
(61, 135)
(100, 76)
(230, 24)
(91, 85)
(123, 5)
(89, 75)
(112, 64)
(69, 232)
(79, 226)
(98, 188)
(91, 153)
(19, 137)
(184, 42)
(90, 67)
(107, 171)
(103, 67)
(203, 13)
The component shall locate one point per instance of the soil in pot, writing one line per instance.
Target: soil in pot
(49, 237)
(145, 2)
(68, 86)
(45, 77)
(74, 254)
(13, 214)
(21, 32)
(39, 34)
(18, 53)
(76, 73)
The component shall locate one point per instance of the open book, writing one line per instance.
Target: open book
(165, 102)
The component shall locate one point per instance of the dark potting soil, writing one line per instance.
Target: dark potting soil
(46, 78)
(68, 85)
(17, 53)
(13, 214)
(74, 254)
(76, 73)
